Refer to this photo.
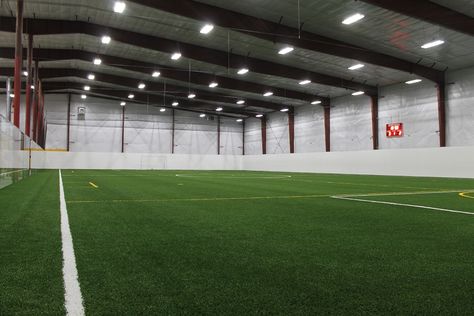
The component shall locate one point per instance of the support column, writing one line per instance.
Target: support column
(28, 86)
(172, 131)
(18, 62)
(441, 87)
(123, 129)
(9, 100)
(36, 102)
(243, 137)
(327, 127)
(375, 121)
(218, 134)
(264, 134)
(68, 141)
(291, 129)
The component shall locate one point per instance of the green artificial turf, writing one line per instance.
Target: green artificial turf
(247, 243)
(30, 247)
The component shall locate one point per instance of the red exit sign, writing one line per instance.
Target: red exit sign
(394, 130)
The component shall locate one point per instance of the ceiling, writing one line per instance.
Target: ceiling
(381, 32)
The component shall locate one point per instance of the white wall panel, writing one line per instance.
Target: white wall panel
(351, 123)
(101, 130)
(195, 135)
(147, 130)
(253, 136)
(460, 108)
(309, 129)
(231, 137)
(278, 141)
(56, 115)
(415, 106)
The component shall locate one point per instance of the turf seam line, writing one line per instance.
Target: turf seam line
(465, 195)
(94, 185)
(401, 204)
(72, 290)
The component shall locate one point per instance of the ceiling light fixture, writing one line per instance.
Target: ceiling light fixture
(176, 56)
(316, 102)
(358, 93)
(97, 61)
(202, 115)
(131, 96)
(25, 73)
(242, 71)
(106, 39)
(83, 96)
(213, 84)
(123, 103)
(304, 82)
(284, 110)
(413, 81)
(259, 115)
(175, 103)
(91, 76)
(285, 50)
(156, 74)
(206, 29)
(433, 44)
(268, 94)
(353, 18)
(162, 110)
(141, 85)
(355, 67)
(191, 96)
(240, 102)
(119, 6)
(219, 109)
(87, 88)
(12, 95)
(239, 120)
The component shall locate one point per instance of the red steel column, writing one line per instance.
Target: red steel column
(36, 102)
(243, 137)
(123, 129)
(218, 134)
(18, 62)
(28, 86)
(375, 121)
(327, 127)
(264, 135)
(291, 129)
(441, 87)
(68, 122)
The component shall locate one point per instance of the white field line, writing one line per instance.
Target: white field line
(10, 172)
(353, 198)
(72, 289)
(401, 193)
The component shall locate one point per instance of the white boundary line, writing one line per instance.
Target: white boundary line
(72, 289)
(402, 204)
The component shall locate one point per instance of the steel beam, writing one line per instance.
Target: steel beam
(123, 129)
(218, 134)
(430, 12)
(200, 53)
(68, 136)
(279, 33)
(168, 72)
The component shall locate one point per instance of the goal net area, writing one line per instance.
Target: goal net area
(15, 153)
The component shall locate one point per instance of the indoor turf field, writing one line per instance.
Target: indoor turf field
(243, 243)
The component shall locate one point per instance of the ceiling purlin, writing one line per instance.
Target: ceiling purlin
(212, 56)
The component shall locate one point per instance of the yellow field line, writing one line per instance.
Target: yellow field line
(464, 195)
(206, 199)
(94, 185)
